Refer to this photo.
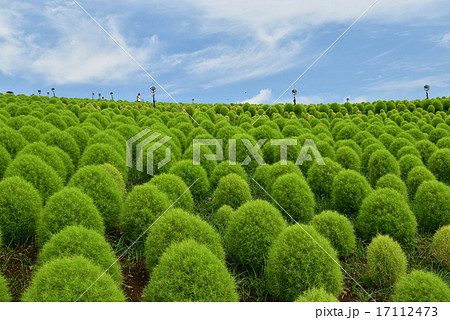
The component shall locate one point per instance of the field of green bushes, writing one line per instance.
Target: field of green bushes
(371, 224)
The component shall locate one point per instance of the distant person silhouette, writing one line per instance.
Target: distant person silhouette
(138, 98)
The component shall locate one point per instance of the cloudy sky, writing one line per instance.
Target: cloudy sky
(226, 50)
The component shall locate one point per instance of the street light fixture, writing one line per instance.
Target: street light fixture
(53, 90)
(427, 88)
(99, 96)
(294, 92)
(153, 89)
(348, 99)
(48, 94)
(112, 95)
(39, 92)
(93, 94)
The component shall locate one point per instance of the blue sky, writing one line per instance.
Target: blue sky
(227, 50)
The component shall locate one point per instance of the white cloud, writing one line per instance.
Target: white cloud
(445, 40)
(80, 53)
(440, 81)
(264, 96)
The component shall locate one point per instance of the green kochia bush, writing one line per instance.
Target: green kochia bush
(296, 263)
(175, 189)
(77, 240)
(381, 163)
(252, 229)
(98, 184)
(407, 163)
(5, 160)
(232, 190)
(117, 176)
(421, 286)
(416, 177)
(439, 164)
(432, 203)
(386, 211)
(68, 207)
(12, 140)
(394, 182)
(349, 189)
(320, 178)
(144, 204)
(189, 271)
(348, 158)
(338, 230)
(72, 276)
(223, 216)
(175, 226)
(293, 193)
(48, 155)
(37, 172)
(316, 295)
(273, 172)
(100, 153)
(64, 141)
(440, 246)
(194, 176)
(20, 206)
(5, 295)
(386, 261)
(223, 169)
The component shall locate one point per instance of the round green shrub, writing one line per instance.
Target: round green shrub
(194, 176)
(143, 206)
(20, 206)
(432, 203)
(208, 165)
(316, 295)
(296, 263)
(407, 163)
(12, 140)
(78, 241)
(175, 226)
(338, 230)
(72, 276)
(37, 172)
(98, 184)
(232, 190)
(5, 160)
(117, 176)
(440, 246)
(408, 150)
(68, 163)
(275, 171)
(421, 286)
(30, 133)
(386, 211)
(223, 216)
(68, 207)
(439, 164)
(348, 158)
(386, 261)
(64, 141)
(349, 189)
(5, 295)
(223, 169)
(381, 163)
(48, 155)
(251, 230)
(426, 149)
(320, 177)
(416, 177)
(443, 143)
(175, 188)
(295, 196)
(394, 182)
(80, 136)
(100, 153)
(368, 151)
(189, 271)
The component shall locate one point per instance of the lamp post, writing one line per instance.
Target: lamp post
(348, 99)
(192, 100)
(39, 92)
(99, 96)
(48, 94)
(153, 89)
(294, 92)
(112, 95)
(53, 90)
(93, 94)
(427, 88)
